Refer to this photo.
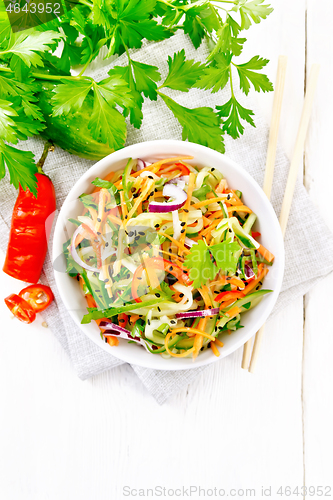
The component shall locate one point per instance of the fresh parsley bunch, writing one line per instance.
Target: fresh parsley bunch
(28, 59)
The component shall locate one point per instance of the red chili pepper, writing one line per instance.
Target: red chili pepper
(184, 170)
(38, 296)
(31, 225)
(21, 309)
(158, 263)
(255, 234)
(229, 296)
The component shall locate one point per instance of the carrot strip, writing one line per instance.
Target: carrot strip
(113, 341)
(214, 349)
(115, 219)
(186, 207)
(208, 202)
(193, 330)
(168, 160)
(198, 340)
(225, 280)
(175, 355)
(153, 280)
(240, 208)
(266, 253)
(234, 195)
(172, 255)
(219, 343)
(206, 221)
(261, 274)
(93, 215)
(147, 189)
(103, 194)
(232, 313)
(215, 215)
(206, 231)
(226, 303)
(133, 318)
(123, 205)
(184, 249)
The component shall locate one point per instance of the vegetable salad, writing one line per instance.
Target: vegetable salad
(166, 257)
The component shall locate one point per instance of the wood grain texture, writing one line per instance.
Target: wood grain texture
(318, 339)
(61, 438)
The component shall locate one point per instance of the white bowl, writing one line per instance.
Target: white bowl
(237, 178)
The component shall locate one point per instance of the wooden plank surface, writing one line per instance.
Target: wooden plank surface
(61, 438)
(318, 338)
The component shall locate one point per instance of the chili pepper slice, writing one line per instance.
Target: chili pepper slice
(38, 296)
(255, 234)
(158, 263)
(21, 309)
(184, 170)
(229, 296)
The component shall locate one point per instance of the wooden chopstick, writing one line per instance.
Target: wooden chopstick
(291, 181)
(271, 155)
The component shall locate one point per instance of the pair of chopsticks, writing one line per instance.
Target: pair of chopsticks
(292, 176)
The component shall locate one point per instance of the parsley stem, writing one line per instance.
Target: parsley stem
(89, 59)
(231, 84)
(47, 147)
(46, 76)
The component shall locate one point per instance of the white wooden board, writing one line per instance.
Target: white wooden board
(61, 438)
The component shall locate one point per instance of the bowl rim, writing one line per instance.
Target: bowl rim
(132, 151)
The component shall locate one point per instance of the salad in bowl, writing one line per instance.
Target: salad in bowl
(168, 256)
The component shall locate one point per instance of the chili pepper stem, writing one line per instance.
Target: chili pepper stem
(49, 146)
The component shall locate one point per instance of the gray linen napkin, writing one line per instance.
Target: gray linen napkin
(308, 241)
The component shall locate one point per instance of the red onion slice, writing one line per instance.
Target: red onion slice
(198, 314)
(189, 243)
(140, 164)
(111, 329)
(179, 198)
(76, 256)
(249, 273)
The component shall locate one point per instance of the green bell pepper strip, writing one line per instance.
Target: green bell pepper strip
(261, 259)
(225, 213)
(201, 192)
(87, 282)
(243, 237)
(254, 262)
(185, 343)
(171, 344)
(233, 322)
(249, 223)
(109, 313)
(136, 332)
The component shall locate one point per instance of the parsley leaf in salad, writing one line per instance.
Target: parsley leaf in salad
(201, 268)
(226, 255)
